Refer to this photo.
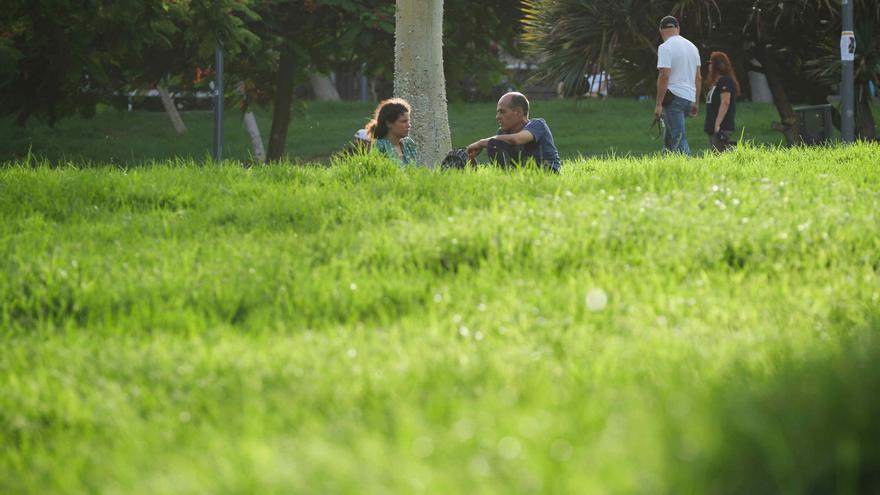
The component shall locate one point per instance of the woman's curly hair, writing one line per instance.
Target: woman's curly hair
(388, 111)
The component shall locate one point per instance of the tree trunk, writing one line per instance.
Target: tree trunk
(253, 130)
(760, 90)
(346, 81)
(22, 117)
(171, 110)
(418, 75)
(783, 105)
(780, 98)
(865, 128)
(323, 87)
(281, 107)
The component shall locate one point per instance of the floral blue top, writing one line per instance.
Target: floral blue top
(407, 145)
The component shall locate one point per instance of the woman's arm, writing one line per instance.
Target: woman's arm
(722, 110)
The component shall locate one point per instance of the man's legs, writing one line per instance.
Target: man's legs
(509, 155)
(502, 153)
(674, 114)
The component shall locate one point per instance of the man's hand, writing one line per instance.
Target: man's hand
(474, 149)
(658, 111)
(694, 110)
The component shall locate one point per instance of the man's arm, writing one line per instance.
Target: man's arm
(517, 138)
(698, 79)
(662, 86)
(477, 147)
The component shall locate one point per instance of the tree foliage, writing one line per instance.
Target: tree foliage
(474, 35)
(299, 36)
(61, 58)
(779, 37)
(320, 36)
(574, 38)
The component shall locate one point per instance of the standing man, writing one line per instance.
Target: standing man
(678, 84)
(518, 138)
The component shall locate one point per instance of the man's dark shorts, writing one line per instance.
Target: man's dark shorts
(542, 148)
(509, 155)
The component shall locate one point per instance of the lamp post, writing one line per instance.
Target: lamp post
(218, 105)
(847, 55)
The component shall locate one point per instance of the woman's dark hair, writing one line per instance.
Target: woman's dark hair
(719, 65)
(387, 111)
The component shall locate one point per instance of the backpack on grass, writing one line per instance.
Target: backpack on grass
(457, 158)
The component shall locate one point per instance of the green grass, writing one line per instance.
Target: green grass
(641, 325)
(588, 128)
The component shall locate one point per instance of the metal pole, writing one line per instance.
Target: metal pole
(364, 89)
(218, 105)
(847, 55)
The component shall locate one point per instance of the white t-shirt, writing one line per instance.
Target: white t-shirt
(683, 58)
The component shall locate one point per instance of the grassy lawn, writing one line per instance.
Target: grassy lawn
(636, 325)
(588, 128)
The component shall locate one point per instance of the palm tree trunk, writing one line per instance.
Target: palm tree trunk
(281, 107)
(418, 75)
(783, 104)
(865, 128)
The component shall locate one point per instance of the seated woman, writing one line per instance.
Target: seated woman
(389, 130)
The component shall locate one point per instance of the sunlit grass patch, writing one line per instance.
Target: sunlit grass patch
(644, 324)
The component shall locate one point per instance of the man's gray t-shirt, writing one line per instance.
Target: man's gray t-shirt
(542, 148)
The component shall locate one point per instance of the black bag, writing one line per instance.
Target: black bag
(457, 158)
(721, 140)
(667, 99)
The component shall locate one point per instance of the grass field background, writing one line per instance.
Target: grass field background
(319, 129)
(638, 325)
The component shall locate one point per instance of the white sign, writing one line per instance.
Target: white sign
(847, 46)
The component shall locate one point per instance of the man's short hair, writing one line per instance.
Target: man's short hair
(519, 100)
(668, 22)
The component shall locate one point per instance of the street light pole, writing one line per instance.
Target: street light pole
(847, 56)
(218, 105)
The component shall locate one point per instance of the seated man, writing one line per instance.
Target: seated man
(519, 138)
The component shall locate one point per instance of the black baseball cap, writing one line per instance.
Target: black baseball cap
(668, 22)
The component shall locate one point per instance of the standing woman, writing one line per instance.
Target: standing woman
(389, 130)
(720, 101)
